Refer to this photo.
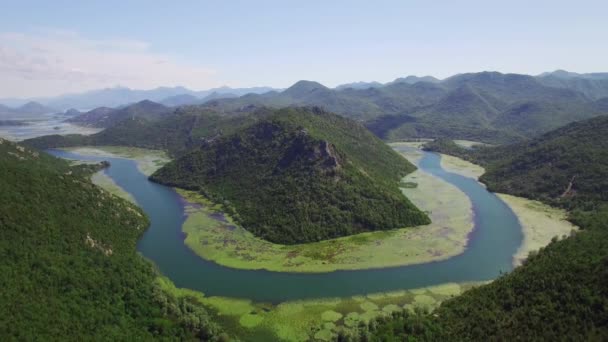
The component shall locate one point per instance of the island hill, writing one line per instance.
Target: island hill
(300, 175)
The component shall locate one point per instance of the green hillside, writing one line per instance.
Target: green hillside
(560, 292)
(301, 175)
(69, 264)
(104, 117)
(488, 106)
(184, 129)
(566, 167)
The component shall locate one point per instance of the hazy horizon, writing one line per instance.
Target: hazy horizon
(118, 86)
(143, 45)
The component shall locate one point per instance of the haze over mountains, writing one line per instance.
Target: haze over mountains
(24, 111)
(489, 106)
(119, 96)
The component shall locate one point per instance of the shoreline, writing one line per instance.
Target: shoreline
(232, 246)
(540, 222)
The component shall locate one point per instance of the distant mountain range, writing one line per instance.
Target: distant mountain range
(24, 111)
(486, 106)
(120, 96)
(104, 117)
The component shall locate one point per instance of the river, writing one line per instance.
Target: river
(496, 236)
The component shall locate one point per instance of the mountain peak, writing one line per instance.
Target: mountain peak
(304, 87)
(33, 107)
(415, 79)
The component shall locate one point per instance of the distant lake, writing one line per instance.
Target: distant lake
(494, 240)
(46, 125)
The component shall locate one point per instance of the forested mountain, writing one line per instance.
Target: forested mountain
(566, 167)
(487, 106)
(185, 128)
(594, 85)
(69, 264)
(360, 104)
(560, 292)
(104, 117)
(300, 175)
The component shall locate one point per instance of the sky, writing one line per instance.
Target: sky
(54, 47)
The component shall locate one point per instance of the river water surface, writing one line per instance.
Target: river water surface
(495, 238)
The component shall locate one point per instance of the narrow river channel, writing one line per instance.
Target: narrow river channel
(495, 238)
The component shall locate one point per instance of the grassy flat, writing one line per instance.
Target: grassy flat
(540, 223)
(230, 245)
(148, 161)
(318, 318)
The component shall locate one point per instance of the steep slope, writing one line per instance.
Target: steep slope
(300, 175)
(106, 117)
(560, 292)
(534, 118)
(466, 106)
(71, 271)
(494, 107)
(567, 165)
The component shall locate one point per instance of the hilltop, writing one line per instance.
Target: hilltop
(487, 106)
(300, 175)
(25, 111)
(104, 117)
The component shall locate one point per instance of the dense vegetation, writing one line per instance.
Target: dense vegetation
(301, 175)
(487, 106)
(560, 292)
(104, 117)
(566, 167)
(68, 259)
(184, 129)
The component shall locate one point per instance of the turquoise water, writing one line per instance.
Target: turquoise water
(495, 238)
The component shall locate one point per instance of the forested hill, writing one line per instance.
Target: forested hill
(567, 167)
(104, 117)
(301, 175)
(485, 106)
(176, 133)
(560, 292)
(68, 259)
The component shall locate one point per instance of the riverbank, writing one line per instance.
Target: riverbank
(540, 222)
(103, 181)
(215, 237)
(147, 161)
(317, 319)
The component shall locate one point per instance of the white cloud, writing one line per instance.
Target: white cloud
(53, 62)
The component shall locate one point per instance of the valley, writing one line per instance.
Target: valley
(293, 317)
(334, 232)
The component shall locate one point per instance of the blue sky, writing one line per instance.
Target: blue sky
(53, 47)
